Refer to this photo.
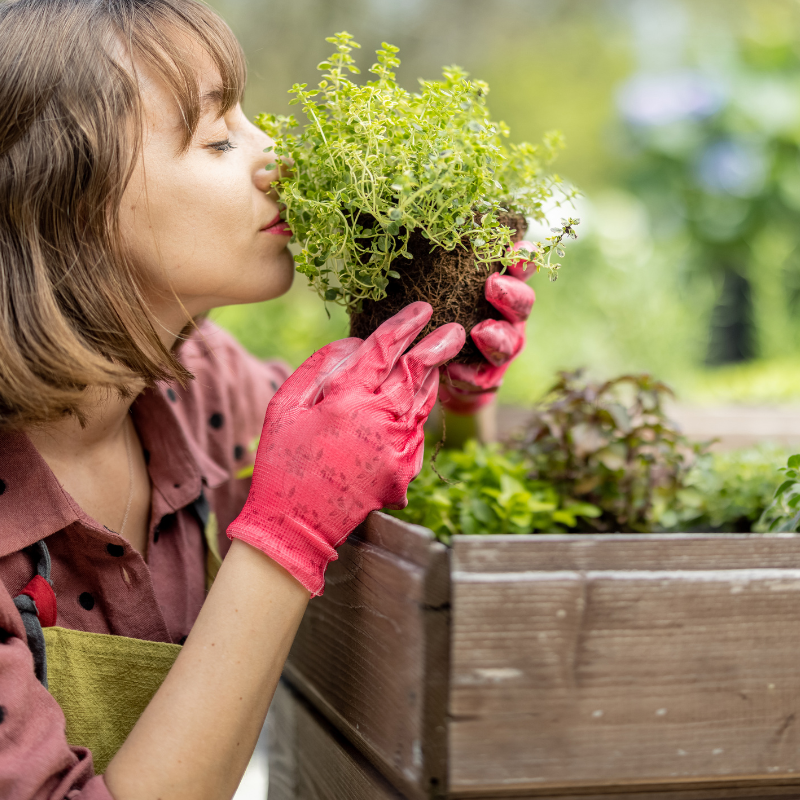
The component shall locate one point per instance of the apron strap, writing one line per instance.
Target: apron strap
(36, 604)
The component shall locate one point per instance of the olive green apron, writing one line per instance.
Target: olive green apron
(103, 682)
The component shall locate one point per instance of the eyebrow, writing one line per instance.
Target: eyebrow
(213, 98)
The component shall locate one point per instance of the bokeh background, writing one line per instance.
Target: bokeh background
(682, 121)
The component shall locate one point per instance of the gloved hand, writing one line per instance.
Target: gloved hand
(466, 387)
(343, 437)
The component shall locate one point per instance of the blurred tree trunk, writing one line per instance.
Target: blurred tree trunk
(731, 335)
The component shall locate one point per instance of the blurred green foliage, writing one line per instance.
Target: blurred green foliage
(727, 491)
(715, 157)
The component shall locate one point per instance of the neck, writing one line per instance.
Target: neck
(105, 411)
(106, 415)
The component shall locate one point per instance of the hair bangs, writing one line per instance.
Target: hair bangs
(166, 36)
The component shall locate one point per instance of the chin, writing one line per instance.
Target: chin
(280, 279)
(284, 283)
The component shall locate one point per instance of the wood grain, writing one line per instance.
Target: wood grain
(623, 660)
(728, 793)
(651, 551)
(322, 765)
(371, 654)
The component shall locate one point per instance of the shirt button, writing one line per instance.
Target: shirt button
(216, 420)
(116, 550)
(2, 486)
(86, 600)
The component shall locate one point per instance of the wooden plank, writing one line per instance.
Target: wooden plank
(628, 676)
(312, 762)
(729, 793)
(371, 654)
(411, 543)
(684, 551)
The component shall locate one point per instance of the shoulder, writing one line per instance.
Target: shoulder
(231, 387)
(226, 401)
(214, 356)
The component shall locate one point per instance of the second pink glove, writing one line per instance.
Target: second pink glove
(465, 387)
(343, 437)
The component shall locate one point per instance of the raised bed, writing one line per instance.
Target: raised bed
(630, 666)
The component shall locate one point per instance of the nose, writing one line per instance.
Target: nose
(268, 167)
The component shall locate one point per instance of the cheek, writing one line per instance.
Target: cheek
(201, 207)
(184, 218)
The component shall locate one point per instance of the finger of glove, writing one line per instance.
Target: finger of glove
(470, 378)
(412, 457)
(512, 298)
(499, 341)
(370, 365)
(304, 386)
(412, 369)
(523, 269)
(425, 398)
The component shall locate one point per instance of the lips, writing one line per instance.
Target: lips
(277, 227)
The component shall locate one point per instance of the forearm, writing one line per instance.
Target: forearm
(196, 736)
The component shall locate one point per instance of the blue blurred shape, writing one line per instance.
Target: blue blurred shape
(652, 100)
(733, 167)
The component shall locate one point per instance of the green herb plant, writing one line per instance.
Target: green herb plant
(489, 491)
(376, 162)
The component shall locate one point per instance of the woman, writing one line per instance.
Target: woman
(134, 198)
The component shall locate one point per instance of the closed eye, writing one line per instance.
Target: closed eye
(224, 146)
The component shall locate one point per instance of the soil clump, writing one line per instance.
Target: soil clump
(448, 280)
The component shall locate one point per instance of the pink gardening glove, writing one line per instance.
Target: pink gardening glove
(343, 437)
(465, 388)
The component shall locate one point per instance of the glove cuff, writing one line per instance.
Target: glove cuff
(298, 549)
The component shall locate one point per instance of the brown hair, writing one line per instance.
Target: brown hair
(72, 312)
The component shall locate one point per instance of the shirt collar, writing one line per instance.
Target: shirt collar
(33, 505)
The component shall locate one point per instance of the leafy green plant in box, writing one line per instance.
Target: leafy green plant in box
(609, 444)
(783, 512)
(384, 177)
(725, 491)
(488, 491)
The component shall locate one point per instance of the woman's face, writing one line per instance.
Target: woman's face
(202, 224)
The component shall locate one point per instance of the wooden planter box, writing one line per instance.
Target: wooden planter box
(613, 666)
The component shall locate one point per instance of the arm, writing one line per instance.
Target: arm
(196, 736)
(342, 437)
